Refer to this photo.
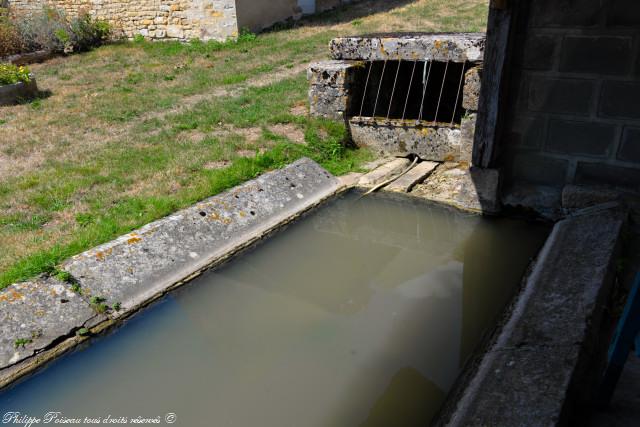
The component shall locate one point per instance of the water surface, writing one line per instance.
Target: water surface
(362, 313)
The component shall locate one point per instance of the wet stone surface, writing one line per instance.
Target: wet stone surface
(34, 314)
(145, 263)
(454, 184)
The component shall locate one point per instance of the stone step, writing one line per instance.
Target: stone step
(419, 173)
(384, 172)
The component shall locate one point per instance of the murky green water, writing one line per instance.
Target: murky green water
(361, 314)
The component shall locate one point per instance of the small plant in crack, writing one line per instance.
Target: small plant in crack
(117, 306)
(98, 304)
(82, 332)
(21, 342)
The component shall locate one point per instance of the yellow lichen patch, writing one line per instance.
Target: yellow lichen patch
(134, 239)
(11, 296)
(242, 214)
(40, 313)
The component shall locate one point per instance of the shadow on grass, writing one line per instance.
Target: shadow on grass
(343, 14)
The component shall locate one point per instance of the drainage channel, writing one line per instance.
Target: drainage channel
(361, 313)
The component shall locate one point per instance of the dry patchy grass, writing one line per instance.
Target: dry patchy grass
(133, 131)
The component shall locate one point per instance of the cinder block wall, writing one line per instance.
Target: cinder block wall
(574, 94)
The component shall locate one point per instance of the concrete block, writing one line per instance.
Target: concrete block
(544, 200)
(539, 354)
(580, 196)
(582, 138)
(625, 13)
(144, 264)
(552, 95)
(620, 100)
(384, 172)
(539, 52)
(417, 175)
(599, 55)
(588, 173)
(36, 313)
(566, 13)
(536, 168)
(332, 73)
(527, 132)
(411, 47)
(472, 189)
(467, 136)
(471, 91)
(630, 145)
(398, 138)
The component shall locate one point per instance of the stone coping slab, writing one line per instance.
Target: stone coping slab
(139, 266)
(528, 375)
(36, 314)
(457, 47)
(417, 175)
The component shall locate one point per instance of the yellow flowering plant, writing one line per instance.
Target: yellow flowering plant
(11, 74)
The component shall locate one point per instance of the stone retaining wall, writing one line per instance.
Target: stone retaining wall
(180, 19)
(155, 19)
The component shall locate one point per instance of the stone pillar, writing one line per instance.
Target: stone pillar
(470, 97)
(331, 87)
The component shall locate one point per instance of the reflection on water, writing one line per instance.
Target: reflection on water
(360, 314)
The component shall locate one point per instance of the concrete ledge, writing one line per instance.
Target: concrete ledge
(39, 319)
(12, 94)
(384, 172)
(467, 188)
(141, 265)
(36, 314)
(458, 47)
(403, 137)
(529, 375)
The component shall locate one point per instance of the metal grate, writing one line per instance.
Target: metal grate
(423, 91)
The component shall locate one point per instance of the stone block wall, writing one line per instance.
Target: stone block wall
(574, 94)
(337, 91)
(180, 19)
(154, 19)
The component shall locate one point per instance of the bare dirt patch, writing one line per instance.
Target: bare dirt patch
(289, 131)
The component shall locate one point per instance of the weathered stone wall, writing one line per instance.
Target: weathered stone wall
(338, 84)
(155, 19)
(574, 102)
(180, 19)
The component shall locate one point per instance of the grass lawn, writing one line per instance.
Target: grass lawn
(133, 131)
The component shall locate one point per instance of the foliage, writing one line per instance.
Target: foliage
(50, 29)
(10, 41)
(11, 74)
(21, 342)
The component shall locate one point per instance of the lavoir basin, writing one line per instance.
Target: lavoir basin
(362, 313)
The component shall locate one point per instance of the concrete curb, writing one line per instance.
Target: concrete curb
(530, 372)
(137, 269)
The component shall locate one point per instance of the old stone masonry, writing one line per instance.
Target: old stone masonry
(183, 19)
